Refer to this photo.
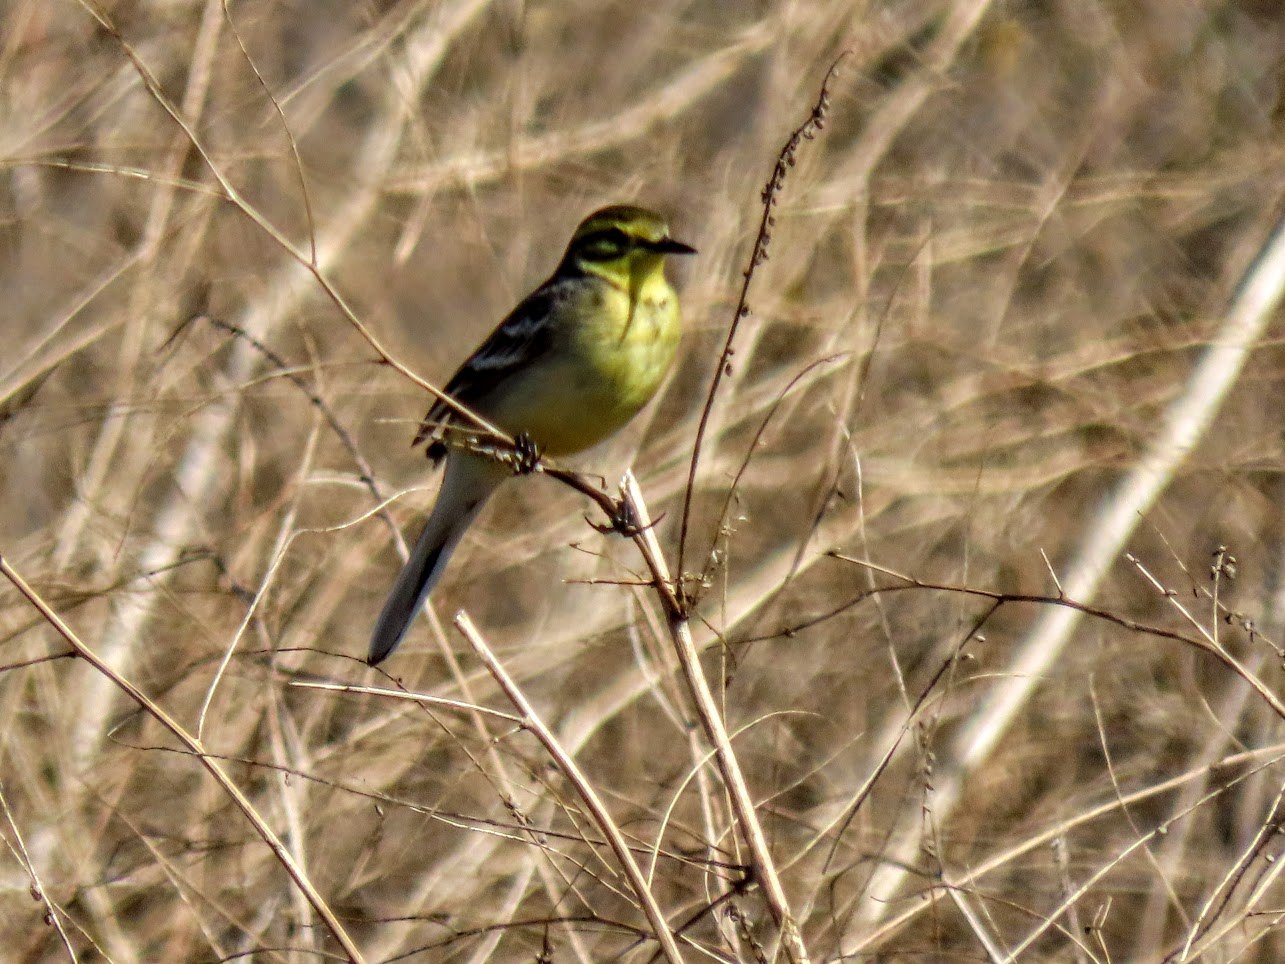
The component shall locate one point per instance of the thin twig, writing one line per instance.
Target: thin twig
(1204, 642)
(763, 866)
(367, 473)
(462, 706)
(197, 749)
(785, 160)
(53, 913)
(868, 942)
(734, 487)
(602, 817)
(310, 261)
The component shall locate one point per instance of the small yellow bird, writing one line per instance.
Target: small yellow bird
(571, 364)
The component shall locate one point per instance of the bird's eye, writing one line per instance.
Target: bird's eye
(605, 245)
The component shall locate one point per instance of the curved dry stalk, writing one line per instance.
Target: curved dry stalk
(195, 471)
(806, 131)
(1185, 423)
(1269, 756)
(1205, 641)
(197, 749)
(313, 260)
(602, 817)
(762, 864)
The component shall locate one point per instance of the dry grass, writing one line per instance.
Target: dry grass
(990, 278)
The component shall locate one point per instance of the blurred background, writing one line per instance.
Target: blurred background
(990, 275)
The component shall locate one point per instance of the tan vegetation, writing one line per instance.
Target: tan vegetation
(993, 278)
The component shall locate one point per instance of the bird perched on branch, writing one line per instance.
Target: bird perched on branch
(569, 366)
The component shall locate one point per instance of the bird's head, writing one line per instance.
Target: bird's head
(623, 244)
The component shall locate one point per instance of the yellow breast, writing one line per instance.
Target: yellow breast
(612, 350)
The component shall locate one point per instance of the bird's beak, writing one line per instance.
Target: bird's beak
(670, 246)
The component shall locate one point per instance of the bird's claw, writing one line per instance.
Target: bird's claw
(526, 454)
(623, 522)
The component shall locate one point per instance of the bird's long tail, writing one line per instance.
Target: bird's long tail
(468, 483)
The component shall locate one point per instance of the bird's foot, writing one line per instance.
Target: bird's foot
(526, 454)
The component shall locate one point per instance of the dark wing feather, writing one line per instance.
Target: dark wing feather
(517, 341)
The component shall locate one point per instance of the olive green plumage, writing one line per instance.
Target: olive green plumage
(569, 366)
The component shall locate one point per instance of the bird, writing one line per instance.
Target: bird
(567, 368)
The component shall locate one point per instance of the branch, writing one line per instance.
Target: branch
(198, 750)
(785, 160)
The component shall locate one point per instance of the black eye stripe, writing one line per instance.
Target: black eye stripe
(605, 243)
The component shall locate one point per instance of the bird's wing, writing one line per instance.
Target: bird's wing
(521, 338)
